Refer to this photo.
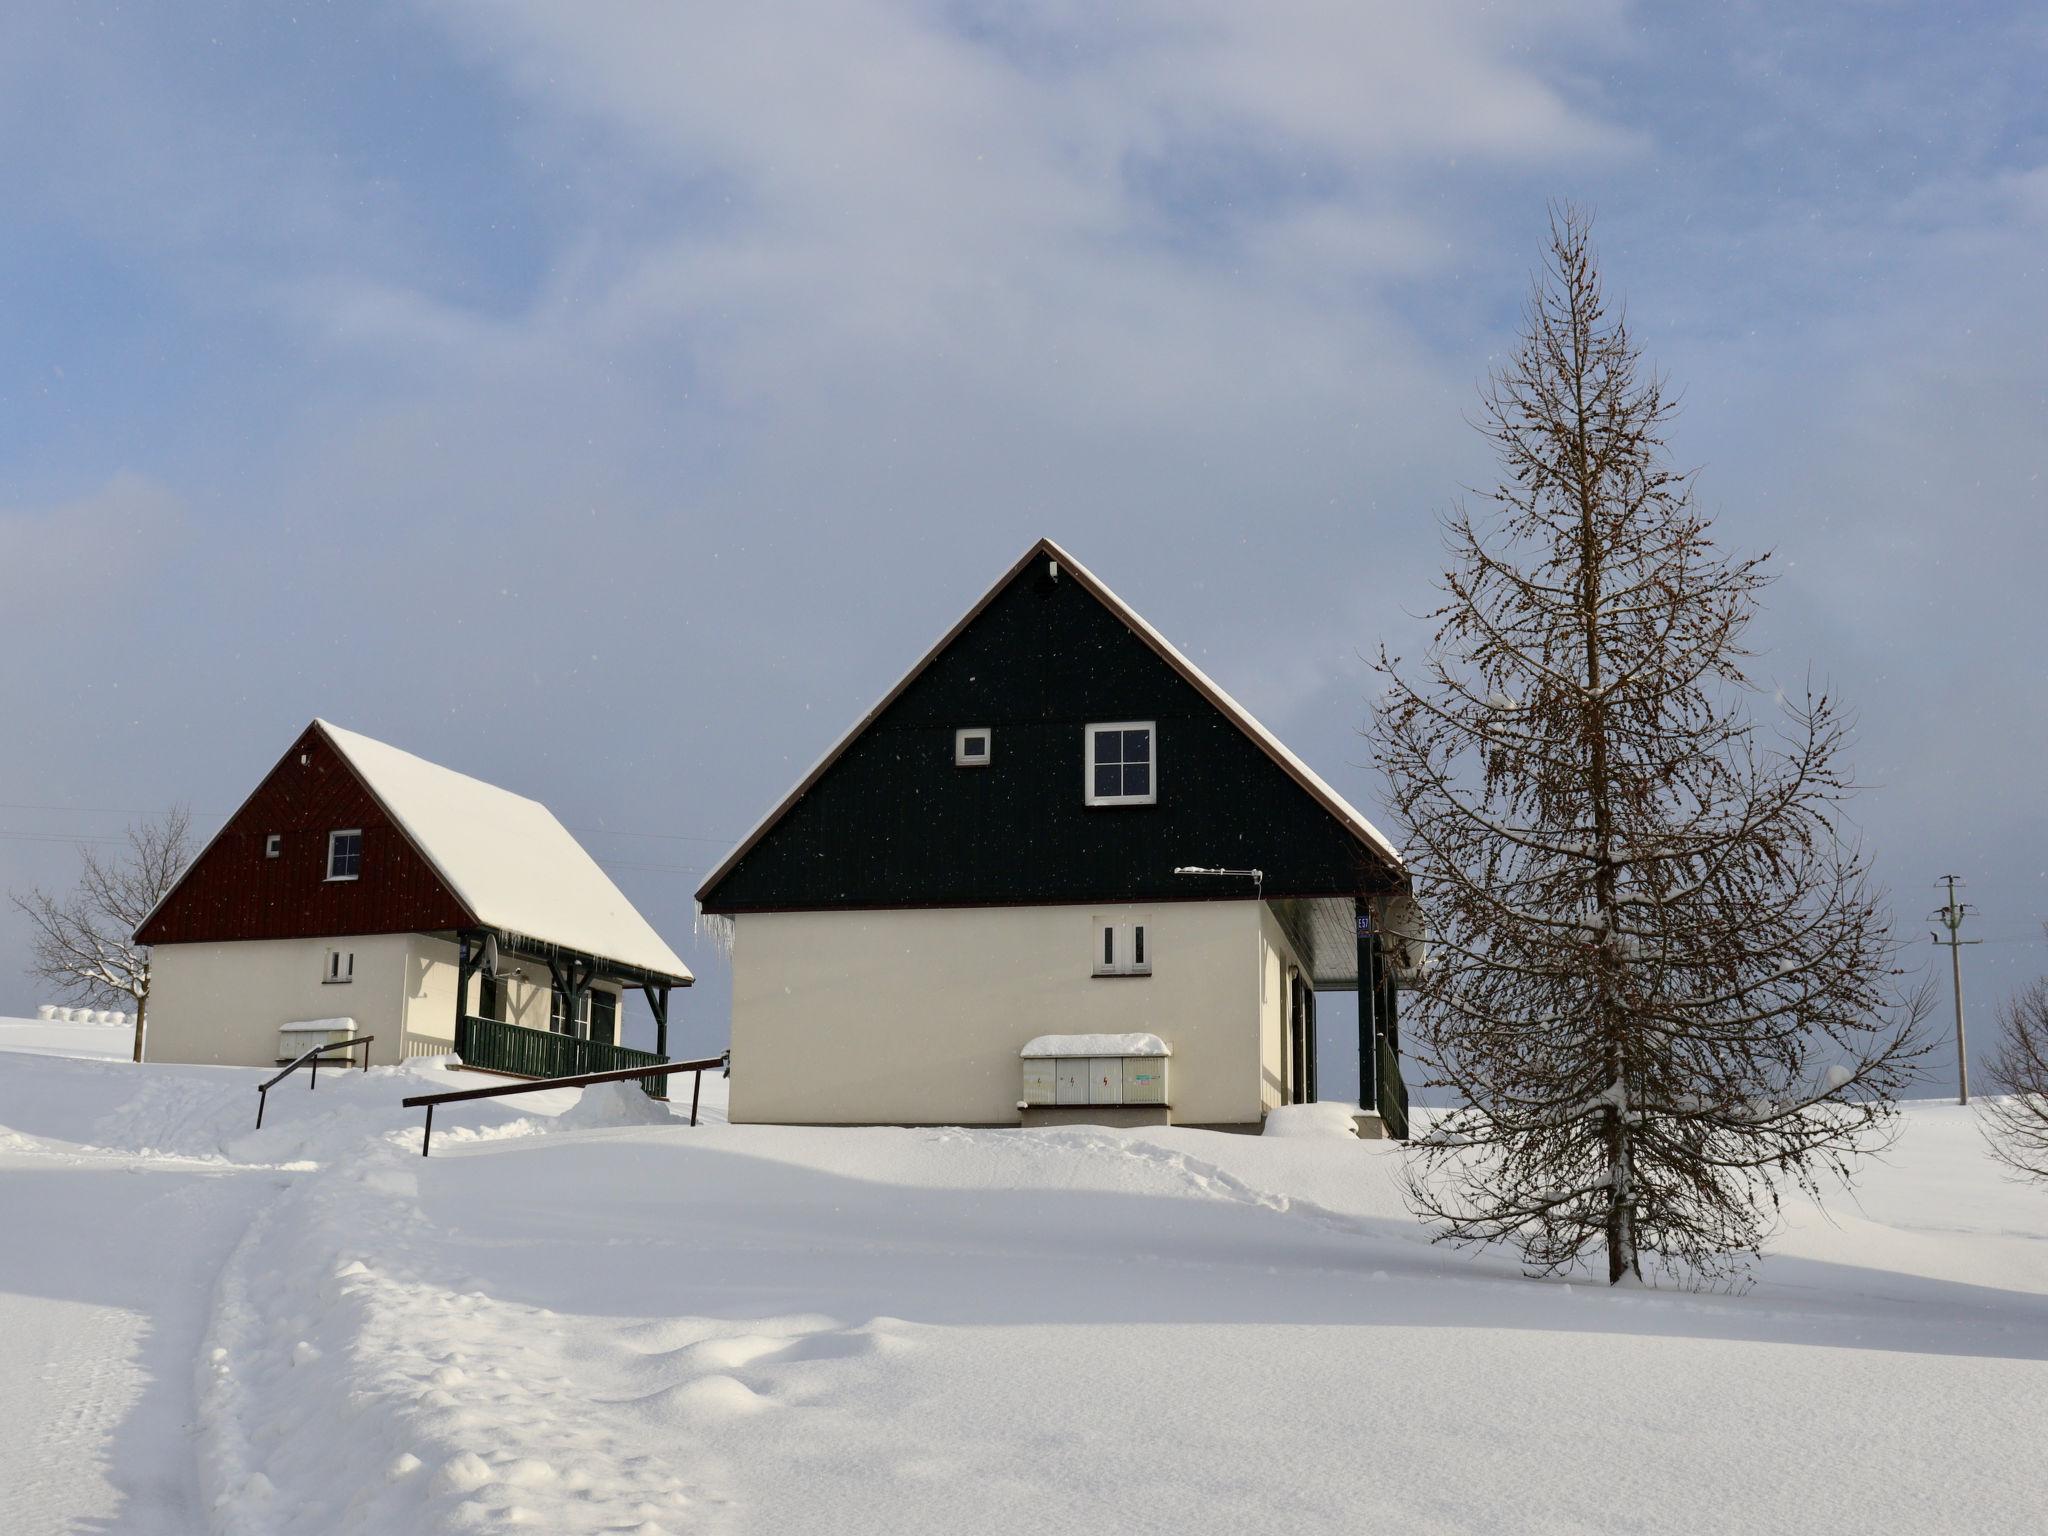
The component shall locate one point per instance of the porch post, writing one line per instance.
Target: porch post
(468, 960)
(1312, 1045)
(1368, 1009)
(657, 1004)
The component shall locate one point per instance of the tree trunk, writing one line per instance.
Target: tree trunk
(141, 1005)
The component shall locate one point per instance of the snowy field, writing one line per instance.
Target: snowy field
(564, 1322)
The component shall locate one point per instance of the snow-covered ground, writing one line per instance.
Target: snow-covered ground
(565, 1321)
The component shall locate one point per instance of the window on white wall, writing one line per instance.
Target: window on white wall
(345, 854)
(341, 966)
(1122, 949)
(1122, 763)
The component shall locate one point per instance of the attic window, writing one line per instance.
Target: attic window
(971, 747)
(273, 845)
(1122, 764)
(345, 854)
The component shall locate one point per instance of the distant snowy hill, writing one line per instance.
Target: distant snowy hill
(54, 1038)
(569, 1322)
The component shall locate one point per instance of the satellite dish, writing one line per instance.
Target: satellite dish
(491, 956)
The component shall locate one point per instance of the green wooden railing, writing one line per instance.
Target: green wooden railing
(1393, 1093)
(493, 1046)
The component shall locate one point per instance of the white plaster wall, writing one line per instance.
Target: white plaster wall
(223, 1004)
(916, 1017)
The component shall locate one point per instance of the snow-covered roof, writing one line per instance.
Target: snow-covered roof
(505, 857)
(1313, 782)
(1310, 780)
(1096, 1045)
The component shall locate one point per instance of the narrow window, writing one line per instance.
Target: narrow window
(345, 854)
(272, 845)
(973, 746)
(1121, 764)
(1122, 950)
(341, 966)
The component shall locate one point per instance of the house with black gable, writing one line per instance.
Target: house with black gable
(1058, 874)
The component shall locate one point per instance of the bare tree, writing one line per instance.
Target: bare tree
(2016, 1121)
(85, 943)
(1662, 985)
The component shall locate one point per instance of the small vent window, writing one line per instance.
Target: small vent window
(973, 746)
(341, 967)
(273, 845)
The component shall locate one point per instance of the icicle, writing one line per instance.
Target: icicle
(716, 931)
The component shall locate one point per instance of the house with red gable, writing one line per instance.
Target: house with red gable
(363, 891)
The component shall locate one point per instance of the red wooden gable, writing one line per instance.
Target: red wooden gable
(234, 892)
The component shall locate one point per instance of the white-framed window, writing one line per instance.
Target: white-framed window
(341, 967)
(345, 854)
(972, 746)
(1123, 949)
(273, 845)
(1121, 763)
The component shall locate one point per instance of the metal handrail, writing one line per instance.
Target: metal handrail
(622, 1075)
(314, 1055)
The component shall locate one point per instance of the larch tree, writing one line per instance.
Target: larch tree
(1662, 986)
(2015, 1119)
(84, 944)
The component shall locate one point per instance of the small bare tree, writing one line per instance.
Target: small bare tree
(85, 943)
(2016, 1121)
(1662, 986)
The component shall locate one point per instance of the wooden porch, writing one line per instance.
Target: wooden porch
(572, 1047)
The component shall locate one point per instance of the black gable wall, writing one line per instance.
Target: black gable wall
(893, 822)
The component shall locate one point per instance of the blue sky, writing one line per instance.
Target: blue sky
(612, 400)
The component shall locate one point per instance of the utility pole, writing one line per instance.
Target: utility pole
(1951, 917)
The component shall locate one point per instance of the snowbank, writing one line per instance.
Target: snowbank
(604, 1105)
(1097, 1045)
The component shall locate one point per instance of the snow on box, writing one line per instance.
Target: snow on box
(1096, 1045)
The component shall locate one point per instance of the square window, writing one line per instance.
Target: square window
(345, 854)
(973, 746)
(273, 845)
(1121, 767)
